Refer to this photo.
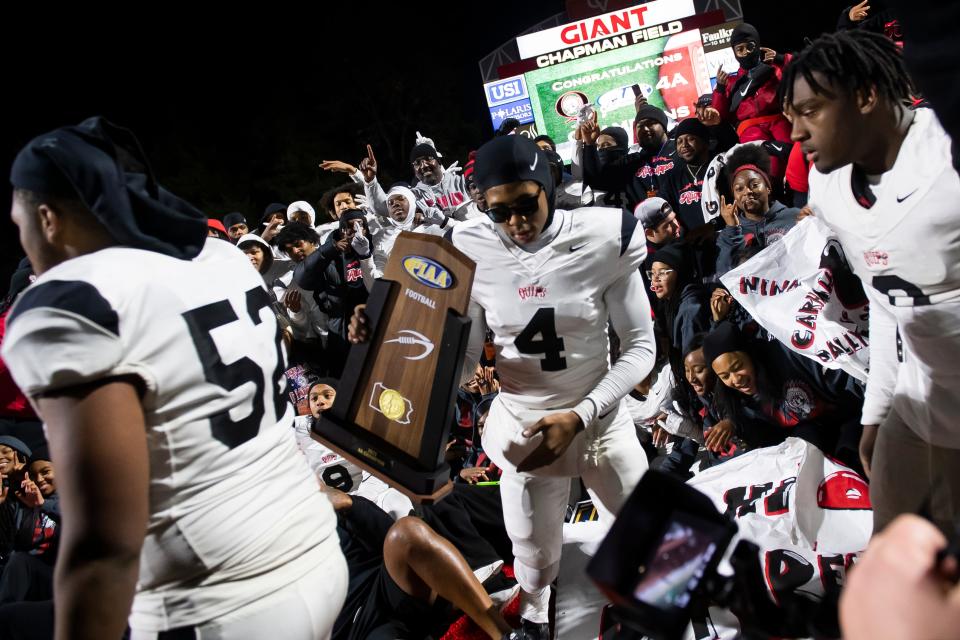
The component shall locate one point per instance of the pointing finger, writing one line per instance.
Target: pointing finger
(529, 432)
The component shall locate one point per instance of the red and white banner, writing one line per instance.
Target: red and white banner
(802, 291)
(810, 516)
(608, 24)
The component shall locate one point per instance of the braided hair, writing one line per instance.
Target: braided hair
(854, 61)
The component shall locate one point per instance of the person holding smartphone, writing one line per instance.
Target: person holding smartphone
(334, 273)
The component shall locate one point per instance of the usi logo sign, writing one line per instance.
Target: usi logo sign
(503, 91)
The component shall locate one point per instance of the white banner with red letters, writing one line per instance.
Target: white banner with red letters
(809, 515)
(802, 291)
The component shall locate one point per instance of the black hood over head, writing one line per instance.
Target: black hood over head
(104, 167)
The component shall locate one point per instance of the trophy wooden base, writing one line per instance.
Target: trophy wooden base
(395, 400)
(434, 485)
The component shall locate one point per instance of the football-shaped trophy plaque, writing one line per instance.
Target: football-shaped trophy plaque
(394, 405)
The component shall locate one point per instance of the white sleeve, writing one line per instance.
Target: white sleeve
(376, 198)
(576, 166)
(370, 272)
(882, 377)
(357, 176)
(478, 329)
(63, 333)
(299, 323)
(679, 425)
(299, 320)
(629, 310)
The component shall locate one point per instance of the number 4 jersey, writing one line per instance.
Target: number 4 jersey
(548, 309)
(235, 512)
(902, 238)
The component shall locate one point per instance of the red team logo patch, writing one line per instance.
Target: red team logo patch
(532, 291)
(661, 169)
(843, 490)
(447, 201)
(875, 258)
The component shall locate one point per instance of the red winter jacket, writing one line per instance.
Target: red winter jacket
(762, 103)
(13, 404)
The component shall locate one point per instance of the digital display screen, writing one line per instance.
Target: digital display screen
(676, 566)
(601, 61)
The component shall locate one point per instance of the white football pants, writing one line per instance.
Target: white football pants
(302, 610)
(608, 457)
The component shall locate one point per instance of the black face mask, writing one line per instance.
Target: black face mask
(750, 60)
(611, 154)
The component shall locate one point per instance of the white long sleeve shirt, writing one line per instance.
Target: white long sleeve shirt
(906, 250)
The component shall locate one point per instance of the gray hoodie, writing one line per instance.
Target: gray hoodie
(307, 323)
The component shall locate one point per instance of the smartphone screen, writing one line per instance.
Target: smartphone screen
(676, 567)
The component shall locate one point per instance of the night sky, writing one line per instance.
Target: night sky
(237, 111)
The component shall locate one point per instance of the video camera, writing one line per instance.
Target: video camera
(658, 566)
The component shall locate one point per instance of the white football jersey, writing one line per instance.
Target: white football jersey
(235, 512)
(546, 308)
(906, 250)
(330, 467)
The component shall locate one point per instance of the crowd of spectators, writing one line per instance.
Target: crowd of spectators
(722, 385)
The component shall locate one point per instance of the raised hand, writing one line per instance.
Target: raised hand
(362, 202)
(338, 167)
(272, 229)
(708, 116)
(729, 213)
(720, 302)
(368, 166)
(639, 101)
(487, 381)
(722, 77)
(768, 54)
(360, 243)
(860, 11)
(590, 130)
(29, 492)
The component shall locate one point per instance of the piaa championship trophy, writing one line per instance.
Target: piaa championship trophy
(394, 405)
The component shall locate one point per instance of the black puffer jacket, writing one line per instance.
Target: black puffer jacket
(336, 280)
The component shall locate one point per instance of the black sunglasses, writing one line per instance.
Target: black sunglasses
(526, 207)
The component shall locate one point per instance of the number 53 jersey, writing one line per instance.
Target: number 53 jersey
(235, 512)
(546, 308)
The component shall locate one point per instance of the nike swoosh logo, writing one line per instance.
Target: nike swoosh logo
(577, 247)
(533, 167)
(776, 147)
(746, 88)
(902, 198)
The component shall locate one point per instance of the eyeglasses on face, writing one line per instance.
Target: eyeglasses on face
(424, 162)
(656, 275)
(525, 206)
